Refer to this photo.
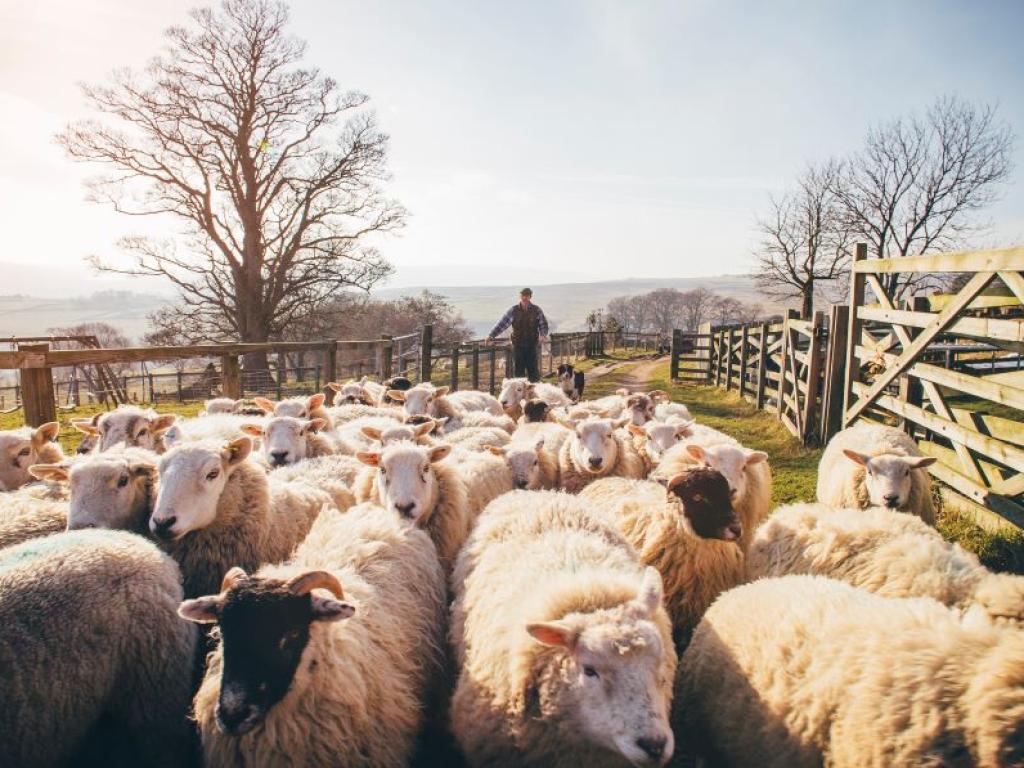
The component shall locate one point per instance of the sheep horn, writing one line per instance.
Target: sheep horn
(307, 582)
(231, 578)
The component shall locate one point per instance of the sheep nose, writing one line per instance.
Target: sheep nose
(162, 528)
(521, 483)
(278, 458)
(654, 747)
(892, 501)
(236, 719)
(733, 531)
(405, 509)
(596, 462)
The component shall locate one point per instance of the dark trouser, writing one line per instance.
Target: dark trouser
(525, 359)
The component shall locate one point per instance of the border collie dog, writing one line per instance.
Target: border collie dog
(571, 381)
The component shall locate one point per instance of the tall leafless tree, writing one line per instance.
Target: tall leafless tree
(273, 173)
(804, 241)
(696, 307)
(918, 182)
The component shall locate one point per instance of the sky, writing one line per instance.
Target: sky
(541, 141)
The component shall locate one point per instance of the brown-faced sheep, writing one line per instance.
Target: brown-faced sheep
(596, 449)
(21, 448)
(357, 393)
(216, 509)
(689, 532)
(413, 483)
(874, 465)
(803, 671)
(891, 553)
(326, 660)
(89, 636)
(565, 650)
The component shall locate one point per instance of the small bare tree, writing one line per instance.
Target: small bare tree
(696, 307)
(918, 181)
(274, 174)
(804, 241)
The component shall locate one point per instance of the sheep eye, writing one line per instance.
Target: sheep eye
(213, 474)
(142, 432)
(24, 451)
(383, 471)
(590, 671)
(122, 481)
(536, 462)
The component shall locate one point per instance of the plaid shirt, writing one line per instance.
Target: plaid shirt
(506, 321)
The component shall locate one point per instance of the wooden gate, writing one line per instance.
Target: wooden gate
(801, 361)
(688, 360)
(972, 423)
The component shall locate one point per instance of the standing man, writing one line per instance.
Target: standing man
(529, 329)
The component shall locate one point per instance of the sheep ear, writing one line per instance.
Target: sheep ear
(438, 452)
(315, 401)
(266, 405)
(622, 392)
(397, 394)
(425, 428)
(369, 458)
(648, 597)
(683, 430)
(173, 436)
(252, 429)
(52, 472)
(756, 457)
(334, 386)
(164, 422)
(202, 610)
(329, 609)
(858, 458)
(697, 452)
(315, 425)
(658, 395)
(439, 423)
(237, 451)
(85, 426)
(554, 634)
(371, 432)
(671, 482)
(497, 450)
(919, 462)
(638, 431)
(539, 444)
(440, 391)
(46, 433)
(620, 423)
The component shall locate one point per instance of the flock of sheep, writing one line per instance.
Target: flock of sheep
(304, 584)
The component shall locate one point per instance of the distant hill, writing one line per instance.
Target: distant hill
(565, 304)
(568, 304)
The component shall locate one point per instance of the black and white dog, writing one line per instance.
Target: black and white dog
(571, 381)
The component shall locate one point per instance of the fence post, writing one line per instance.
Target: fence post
(179, 386)
(673, 364)
(853, 330)
(911, 391)
(835, 369)
(230, 377)
(330, 368)
(454, 384)
(718, 336)
(783, 365)
(426, 350)
(387, 357)
(494, 365)
(474, 367)
(37, 397)
(744, 338)
(762, 366)
(813, 377)
(730, 344)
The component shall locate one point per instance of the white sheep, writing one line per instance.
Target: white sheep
(357, 392)
(21, 448)
(25, 515)
(413, 483)
(219, 426)
(595, 449)
(514, 391)
(687, 530)
(533, 468)
(479, 419)
(348, 640)
(747, 472)
(386, 435)
(300, 407)
(641, 406)
(477, 438)
(135, 427)
(805, 671)
(335, 474)
(219, 405)
(342, 414)
(349, 437)
(565, 651)
(286, 440)
(90, 644)
(426, 399)
(874, 465)
(891, 553)
(663, 411)
(656, 437)
(215, 509)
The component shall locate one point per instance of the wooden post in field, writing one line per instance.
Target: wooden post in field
(230, 377)
(454, 383)
(475, 367)
(744, 358)
(762, 367)
(729, 345)
(791, 314)
(387, 357)
(814, 355)
(493, 364)
(911, 391)
(330, 368)
(37, 398)
(835, 371)
(426, 349)
(677, 344)
(853, 331)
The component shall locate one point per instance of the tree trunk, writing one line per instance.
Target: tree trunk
(807, 303)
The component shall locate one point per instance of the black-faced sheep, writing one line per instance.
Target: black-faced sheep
(892, 553)
(874, 465)
(805, 671)
(23, 447)
(688, 531)
(326, 660)
(89, 635)
(535, 411)
(565, 650)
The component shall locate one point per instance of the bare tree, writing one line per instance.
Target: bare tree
(918, 181)
(696, 307)
(804, 241)
(274, 174)
(664, 305)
